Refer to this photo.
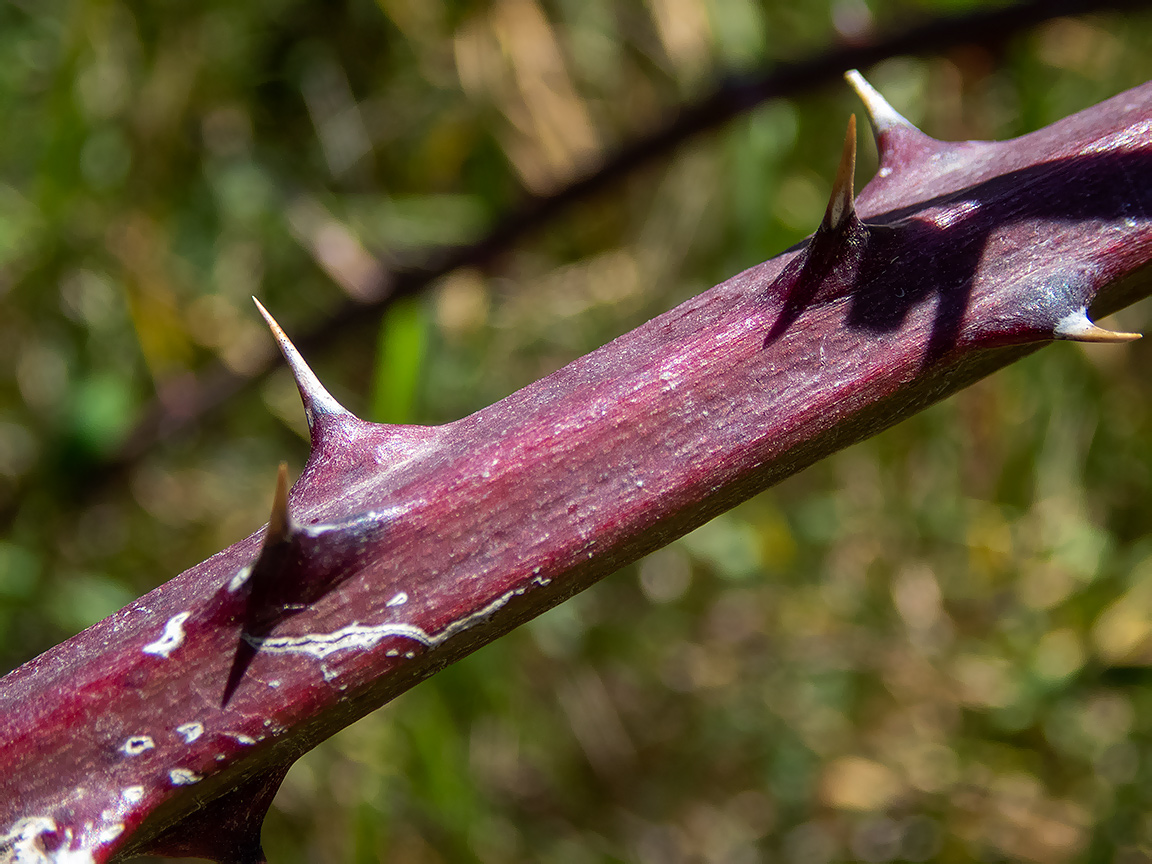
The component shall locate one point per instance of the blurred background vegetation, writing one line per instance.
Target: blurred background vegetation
(933, 646)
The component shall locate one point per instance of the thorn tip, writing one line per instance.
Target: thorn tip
(842, 203)
(882, 115)
(317, 400)
(1077, 328)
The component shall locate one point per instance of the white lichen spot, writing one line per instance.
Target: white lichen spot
(237, 581)
(274, 684)
(241, 738)
(639, 484)
(110, 833)
(170, 640)
(392, 652)
(132, 794)
(20, 843)
(136, 745)
(399, 600)
(410, 654)
(183, 777)
(190, 731)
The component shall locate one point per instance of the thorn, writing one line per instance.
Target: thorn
(317, 401)
(241, 660)
(828, 266)
(227, 828)
(841, 206)
(882, 115)
(262, 579)
(1076, 327)
(279, 523)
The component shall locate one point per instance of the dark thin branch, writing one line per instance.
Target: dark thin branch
(201, 396)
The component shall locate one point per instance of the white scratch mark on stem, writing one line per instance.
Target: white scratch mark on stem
(22, 843)
(110, 833)
(237, 581)
(22, 839)
(170, 640)
(366, 636)
(190, 731)
(132, 794)
(183, 777)
(136, 745)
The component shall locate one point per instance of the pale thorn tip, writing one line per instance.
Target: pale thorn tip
(842, 203)
(882, 115)
(317, 400)
(279, 523)
(1077, 328)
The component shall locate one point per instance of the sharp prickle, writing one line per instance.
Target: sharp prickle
(842, 203)
(1077, 328)
(882, 115)
(318, 402)
(279, 523)
(898, 142)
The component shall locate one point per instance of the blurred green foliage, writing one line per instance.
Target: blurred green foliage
(934, 646)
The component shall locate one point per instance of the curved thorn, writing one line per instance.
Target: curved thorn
(842, 203)
(317, 400)
(1076, 327)
(882, 115)
(279, 523)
